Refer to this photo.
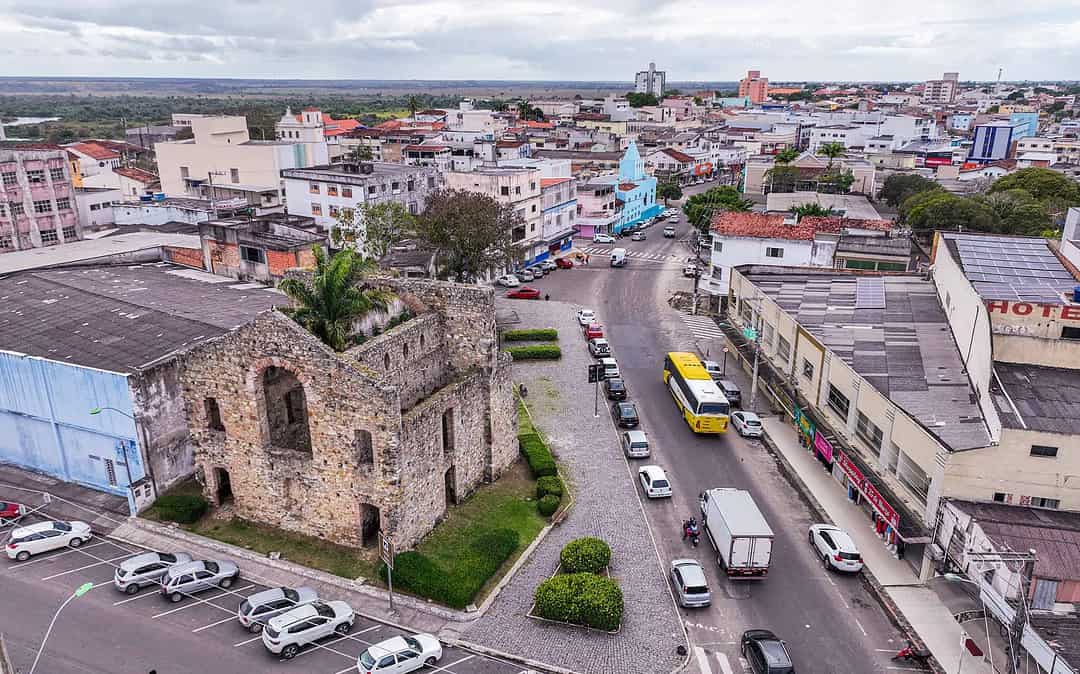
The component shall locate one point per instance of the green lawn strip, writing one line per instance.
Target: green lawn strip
(189, 487)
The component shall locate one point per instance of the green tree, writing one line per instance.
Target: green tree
(786, 156)
(1017, 212)
(360, 153)
(641, 100)
(1054, 190)
(832, 151)
(698, 100)
(414, 105)
(899, 186)
(524, 109)
(333, 300)
(948, 211)
(782, 178)
(916, 200)
(700, 208)
(836, 181)
(385, 224)
(471, 233)
(812, 208)
(668, 191)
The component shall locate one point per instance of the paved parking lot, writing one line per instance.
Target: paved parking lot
(107, 631)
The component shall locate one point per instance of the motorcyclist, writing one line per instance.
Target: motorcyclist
(690, 528)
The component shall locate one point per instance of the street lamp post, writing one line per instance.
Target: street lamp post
(79, 591)
(723, 366)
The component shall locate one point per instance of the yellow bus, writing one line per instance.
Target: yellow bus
(697, 396)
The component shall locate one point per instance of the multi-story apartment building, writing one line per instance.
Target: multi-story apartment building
(943, 91)
(327, 192)
(754, 86)
(559, 203)
(37, 199)
(517, 187)
(597, 209)
(650, 81)
(992, 141)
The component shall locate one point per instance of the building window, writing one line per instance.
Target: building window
(249, 254)
(5, 243)
(1043, 450)
(448, 431)
(534, 208)
(372, 189)
(17, 209)
(410, 185)
(3, 210)
(35, 176)
(43, 206)
(807, 368)
(395, 186)
(49, 236)
(68, 232)
(431, 182)
(95, 207)
(56, 174)
(313, 188)
(517, 189)
(746, 312)
(213, 414)
(331, 190)
(346, 192)
(504, 191)
(63, 204)
(365, 453)
(1039, 502)
(868, 431)
(316, 209)
(334, 211)
(184, 172)
(839, 402)
(774, 252)
(234, 176)
(717, 246)
(1069, 332)
(1002, 497)
(9, 178)
(413, 209)
(783, 348)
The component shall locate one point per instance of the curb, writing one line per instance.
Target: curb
(495, 653)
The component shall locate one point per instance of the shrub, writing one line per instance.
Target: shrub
(456, 586)
(531, 335)
(549, 484)
(541, 462)
(536, 352)
(585, 555)
(182, 508)
(582, 599)
(547, 505)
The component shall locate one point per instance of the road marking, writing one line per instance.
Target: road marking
(445, 668)
(904, 669)
(140, 596)
(60, 554)
(104, 561)
(369, 629)
(702, 660)
(202, 601)
(319, 647)
(725, 666)
(248, 641)
(861, 628)
(215, 624)
(885, 650)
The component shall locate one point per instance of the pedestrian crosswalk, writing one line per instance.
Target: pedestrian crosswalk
(604, 251)
(703, 327)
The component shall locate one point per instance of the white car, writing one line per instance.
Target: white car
(669, 232)
(537, 271)
(400, 654)
(835, 547)
(599, 347)
(691, 270)
(654, 481)
(603, 238)
(45, 536)
(524, 275)
(286, 634)
(747, 424)
(548, 265)
(586, 316)
(508, 281)
(637, 236)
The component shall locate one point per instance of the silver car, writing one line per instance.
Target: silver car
(137, 572)
(691, 587)
(185, 579)
(259, 608)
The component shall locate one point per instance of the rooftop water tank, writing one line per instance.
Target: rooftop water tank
(145, 198)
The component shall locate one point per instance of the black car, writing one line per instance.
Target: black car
(625, 414)
(731, 391)
(615, 389)
(766, 653)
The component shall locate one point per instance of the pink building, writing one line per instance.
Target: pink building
(37, 200)
(597, 209)
(755, 86)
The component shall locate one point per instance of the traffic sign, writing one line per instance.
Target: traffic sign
(596, 373)
(386, 549)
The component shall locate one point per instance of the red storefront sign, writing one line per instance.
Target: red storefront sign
(863, 485)
(823, 446)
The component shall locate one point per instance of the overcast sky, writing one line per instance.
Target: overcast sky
(542, 39)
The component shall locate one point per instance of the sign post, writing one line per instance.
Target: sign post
(386, 553)
(596, 373)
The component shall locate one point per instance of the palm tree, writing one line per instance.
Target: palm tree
(812, 208)
(414, 105)
(328, 305)
(832, 151)
(524, 110)
(786, 156)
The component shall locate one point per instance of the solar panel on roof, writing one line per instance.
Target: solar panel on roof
(870, 293)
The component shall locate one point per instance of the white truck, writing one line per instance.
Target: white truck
(618, 257)
(742, 538)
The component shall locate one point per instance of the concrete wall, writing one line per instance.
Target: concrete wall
(95, 210)
(162, 421)
(737, 250)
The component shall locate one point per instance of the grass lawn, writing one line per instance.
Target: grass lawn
(524, 422)
(188, 487)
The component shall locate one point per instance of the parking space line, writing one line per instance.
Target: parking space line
(369, 629)
(140, 596)
(98, 563)
(319, 647)
(59, 554)
(214, 624)
(446, 668)
(248, 641)
(350, 668)
(201, 601)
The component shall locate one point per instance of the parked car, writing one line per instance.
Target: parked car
(638, 236)
(611, 368)
(400, 654)
(603, 238)
(146, 569)
(524, 293)
(731, 391)
(185, 579)
(586, 316)
(691, 586)
(747, 424)
(257, 610)
(691, 270)
(836, 548)
(599, 347)
(625, 414)
(713, 368)
(10, 512)
(765, 653)
(536, 270)
(564, 263)
(508, 281)
(635, 444)
(669, 232)
(615, 389)
(524, 275)
(34, 539)
(548, 265)
(593, 330)
(654, 481)
(286, 634)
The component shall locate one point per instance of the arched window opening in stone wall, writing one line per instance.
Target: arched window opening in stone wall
(286, 410)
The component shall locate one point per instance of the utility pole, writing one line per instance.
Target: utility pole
(1020, 618)
(213, 200)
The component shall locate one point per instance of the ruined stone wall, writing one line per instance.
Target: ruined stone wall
(503, 413)
(160, 414)
(469, 313)
(412, 355)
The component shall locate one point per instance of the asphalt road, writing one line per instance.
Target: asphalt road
(831, 622)
(106, 632)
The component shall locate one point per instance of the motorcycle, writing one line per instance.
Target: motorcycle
(912, 654)
(691, 531)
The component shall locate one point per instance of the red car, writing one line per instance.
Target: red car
(594, 330)
(11, 511)
(563, 263)
(524, 293)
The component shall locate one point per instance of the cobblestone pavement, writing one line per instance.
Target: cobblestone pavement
(606, 506)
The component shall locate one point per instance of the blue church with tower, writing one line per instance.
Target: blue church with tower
(634, 188)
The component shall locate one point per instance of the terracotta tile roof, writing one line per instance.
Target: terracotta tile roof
(509, 143)
(681, 157)
(548, 182)
(771, 225)
(95, 151)
(137, 174)
(30, 147)
(118, 146)
(626, 187)
(834, 223)
(539, 125)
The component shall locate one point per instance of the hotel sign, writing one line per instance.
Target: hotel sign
(1034, 309)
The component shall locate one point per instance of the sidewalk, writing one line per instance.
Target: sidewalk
(65, 500)
(920, 606)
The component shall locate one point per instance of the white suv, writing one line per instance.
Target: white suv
(835, 547)
(286, 634)
(46, 536)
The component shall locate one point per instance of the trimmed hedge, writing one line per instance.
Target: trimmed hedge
(531, 335)
(535, 352)
(182, 508)
(582, 599)
(585, 555)
(455, 586)
(541, 462)
(547, 505)
(549, 484)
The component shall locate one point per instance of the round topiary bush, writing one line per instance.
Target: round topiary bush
(182, 508)
(581, 598)
(547, 505)
(549, 484)
(585, 555)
